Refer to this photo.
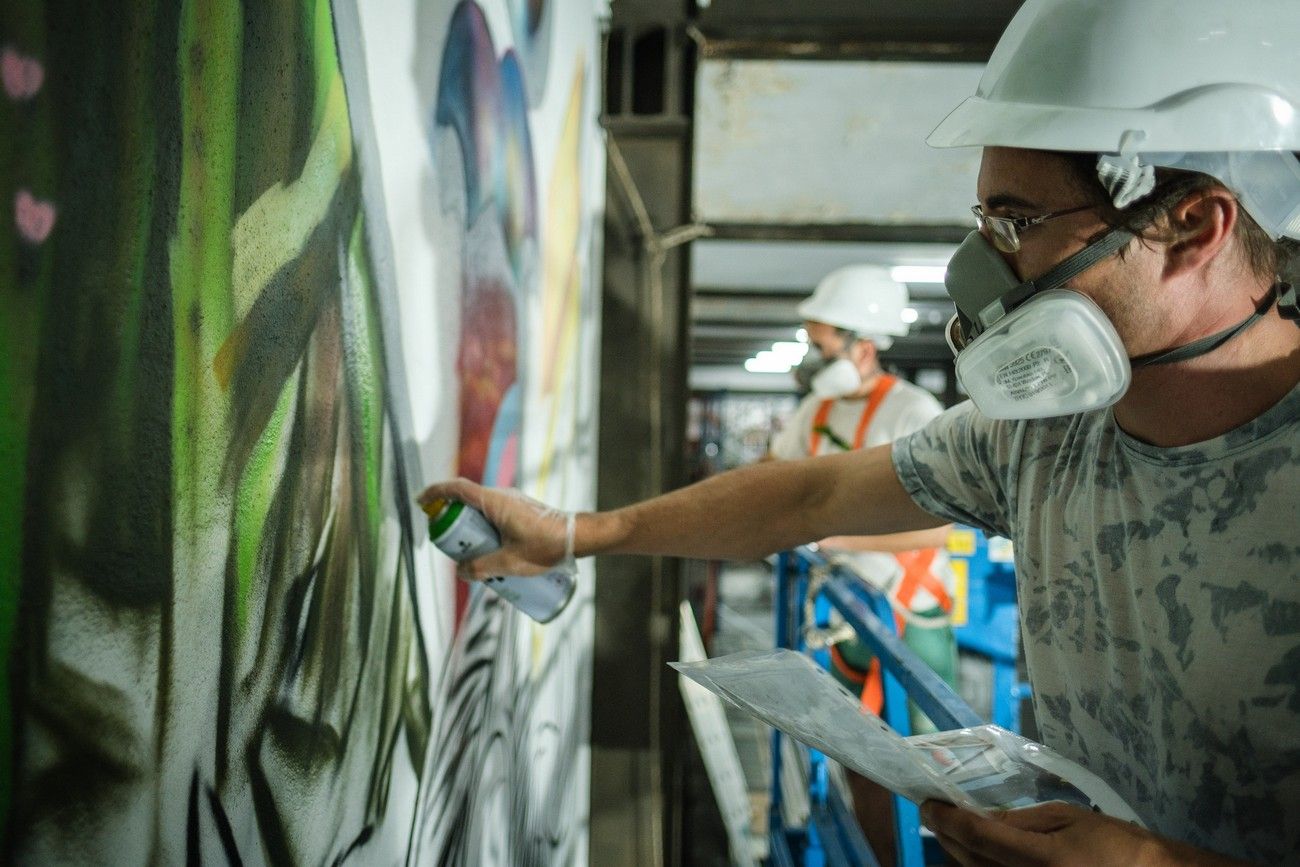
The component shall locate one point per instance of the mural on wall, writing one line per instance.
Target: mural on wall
(503, 793)
(219, 616)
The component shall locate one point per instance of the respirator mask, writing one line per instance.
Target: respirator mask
(1035, 349)
(836, 379)
(828, 378)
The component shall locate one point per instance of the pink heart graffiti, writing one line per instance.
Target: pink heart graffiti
(23, 76)
(34, 218)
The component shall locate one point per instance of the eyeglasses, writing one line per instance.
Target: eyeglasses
(955, 334)
(1004, 232)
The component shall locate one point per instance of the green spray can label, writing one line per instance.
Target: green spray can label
(464, 533)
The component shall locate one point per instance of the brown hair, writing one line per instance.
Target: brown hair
(1150, 219)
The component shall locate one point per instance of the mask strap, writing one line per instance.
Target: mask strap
(1213, 341)
(1288, 304)
(1060, 274)
(1110, 244)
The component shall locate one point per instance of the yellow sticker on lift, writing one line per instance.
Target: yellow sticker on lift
(960, 591)
(961, 543)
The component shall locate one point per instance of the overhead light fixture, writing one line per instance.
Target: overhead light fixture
(918, 273)
(766, 362)
(784, 356)
(909, 315)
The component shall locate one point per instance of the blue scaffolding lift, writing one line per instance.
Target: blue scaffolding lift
(832, 835)
(985, 617)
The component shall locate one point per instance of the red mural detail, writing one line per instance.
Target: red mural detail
(485, 367)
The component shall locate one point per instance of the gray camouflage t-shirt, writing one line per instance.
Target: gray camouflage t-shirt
(1159, 605)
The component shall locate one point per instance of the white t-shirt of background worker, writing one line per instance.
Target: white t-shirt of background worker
(905, 409)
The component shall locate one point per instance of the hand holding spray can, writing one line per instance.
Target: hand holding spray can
(464, 533)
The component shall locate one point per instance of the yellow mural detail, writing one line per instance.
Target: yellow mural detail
(562, 274)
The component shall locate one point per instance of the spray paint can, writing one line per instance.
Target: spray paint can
(463, 533)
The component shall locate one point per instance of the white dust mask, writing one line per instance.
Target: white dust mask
(837, 379)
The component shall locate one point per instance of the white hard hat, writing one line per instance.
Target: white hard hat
(862, 298)
(1204, 85)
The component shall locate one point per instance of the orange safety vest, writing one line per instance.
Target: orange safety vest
(916, 565)
(883, 385)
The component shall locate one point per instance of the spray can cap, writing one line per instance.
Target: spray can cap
(442, 514)
(433, 508)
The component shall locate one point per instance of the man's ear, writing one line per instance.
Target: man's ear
(1201, 226)
(864, 355)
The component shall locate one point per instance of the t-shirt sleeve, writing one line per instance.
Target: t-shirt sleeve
(961, 467)
(920, 411)
(791, 443)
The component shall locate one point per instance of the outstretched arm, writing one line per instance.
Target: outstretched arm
(744, 513)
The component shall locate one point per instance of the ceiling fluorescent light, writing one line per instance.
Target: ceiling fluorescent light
(768, 364)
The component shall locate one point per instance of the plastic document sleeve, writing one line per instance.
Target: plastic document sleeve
(981, 769)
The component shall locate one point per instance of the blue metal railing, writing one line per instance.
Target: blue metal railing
(831, 835)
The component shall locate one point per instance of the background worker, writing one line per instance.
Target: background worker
(854, 315)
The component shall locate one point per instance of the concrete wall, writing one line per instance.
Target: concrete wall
(264, 271)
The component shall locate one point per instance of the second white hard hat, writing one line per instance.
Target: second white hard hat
(861, 298)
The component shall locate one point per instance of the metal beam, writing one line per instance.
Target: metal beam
(924, 297)
(637, 720)
(922, 293)
(769, 309)
(763, 294)
(856, 232)
(728, 331)
(844, 49)
(833, 22)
